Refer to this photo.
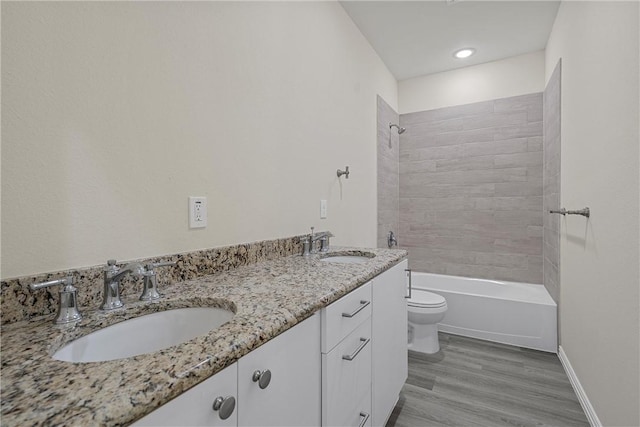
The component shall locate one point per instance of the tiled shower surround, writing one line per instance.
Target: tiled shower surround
(388, 142)
(551, 181)
(471, 189)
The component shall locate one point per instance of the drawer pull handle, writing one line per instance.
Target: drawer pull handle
(225, 406)
(262, 378)
(363, 304)
(365, 418)
(352, 356)
(408, 270)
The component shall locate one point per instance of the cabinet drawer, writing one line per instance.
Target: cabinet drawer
(347, 383)
(343, 316)
(362, 416)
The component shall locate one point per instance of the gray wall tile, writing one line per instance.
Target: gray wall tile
(518, 131)
(518, 189)
(534, 143)
(487, 148)
(433, 128)
(518, 103)
(388, 149)
(471, 189)
(456, 112)
(551, 185)
(432, 153)
(464, 137)
(533, 158)
(493, 120)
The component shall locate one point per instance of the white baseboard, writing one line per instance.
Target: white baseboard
(589, 411)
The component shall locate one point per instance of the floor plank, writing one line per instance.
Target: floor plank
(471, 382)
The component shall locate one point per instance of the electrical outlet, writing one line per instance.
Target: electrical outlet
(323, 209)
(197, 212)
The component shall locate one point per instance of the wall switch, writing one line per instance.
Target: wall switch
(197, 212)
(323, 209)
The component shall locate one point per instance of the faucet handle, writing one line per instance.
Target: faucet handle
(67, 281)
(150, 289)
(343, 172)
(152, 266)
(306, 246)
(68, 304)
(324, 243)
(391, 239)
(111, 267)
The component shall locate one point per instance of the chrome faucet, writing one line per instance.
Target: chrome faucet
(324, 241)
(112, 276)
(391, 240)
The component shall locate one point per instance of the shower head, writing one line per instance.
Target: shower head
(400, 130)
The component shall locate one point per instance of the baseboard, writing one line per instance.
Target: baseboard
(588, 409)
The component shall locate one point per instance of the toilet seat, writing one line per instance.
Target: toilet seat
(424, 299)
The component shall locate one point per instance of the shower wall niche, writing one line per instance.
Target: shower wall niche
(470, 188)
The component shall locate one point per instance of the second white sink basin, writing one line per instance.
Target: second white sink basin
(348, 258)
(144, 334)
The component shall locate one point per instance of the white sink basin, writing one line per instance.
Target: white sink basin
(347, 259)
(144, 334)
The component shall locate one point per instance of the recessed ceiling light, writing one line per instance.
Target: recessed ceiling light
(464, 53)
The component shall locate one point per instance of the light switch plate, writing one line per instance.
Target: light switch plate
(323, 209)
(197, 212)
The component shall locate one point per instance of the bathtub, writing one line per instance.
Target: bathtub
(513, 313)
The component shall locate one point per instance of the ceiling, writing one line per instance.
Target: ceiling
(415, 38)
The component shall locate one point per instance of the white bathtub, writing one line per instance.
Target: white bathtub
(513, 313)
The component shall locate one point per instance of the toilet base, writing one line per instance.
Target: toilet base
(424, 338)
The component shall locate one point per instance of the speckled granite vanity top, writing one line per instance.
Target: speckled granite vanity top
(268, 298)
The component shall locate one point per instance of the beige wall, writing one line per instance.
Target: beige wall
(518, 75)
(598, 44)
(114, 113)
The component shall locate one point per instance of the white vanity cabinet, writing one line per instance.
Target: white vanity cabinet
(346, 360)
(389, 340)
(364, 351)
(291, 396)
(195, 407)
(344, 366)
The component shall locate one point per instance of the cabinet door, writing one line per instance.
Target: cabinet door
(389, 350)
(292, 397)
(195, 406)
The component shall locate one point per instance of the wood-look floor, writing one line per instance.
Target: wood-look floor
(471, 382)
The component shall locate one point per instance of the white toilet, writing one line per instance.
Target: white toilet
(426, 310)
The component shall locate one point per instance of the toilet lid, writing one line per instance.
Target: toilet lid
(421, 298)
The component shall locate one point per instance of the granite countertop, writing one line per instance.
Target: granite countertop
(268, 298)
